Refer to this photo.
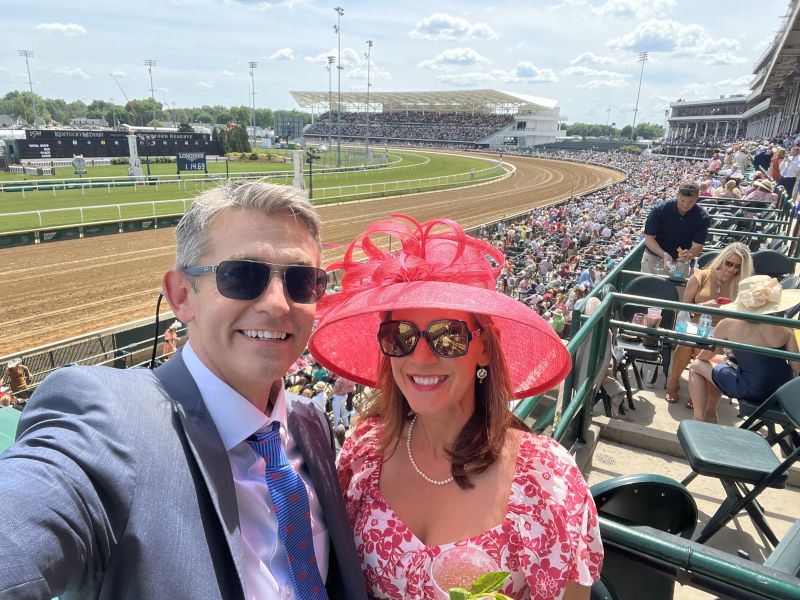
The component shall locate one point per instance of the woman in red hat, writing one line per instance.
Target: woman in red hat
(437, 463)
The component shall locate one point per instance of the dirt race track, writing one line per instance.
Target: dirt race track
(63, 289)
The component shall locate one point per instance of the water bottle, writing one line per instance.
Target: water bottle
(682, 322)
(679, 269)
(704, 326)
(692, 266)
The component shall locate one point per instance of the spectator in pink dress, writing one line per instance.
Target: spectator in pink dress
(436, 459)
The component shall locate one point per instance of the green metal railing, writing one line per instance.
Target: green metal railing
(570, 417)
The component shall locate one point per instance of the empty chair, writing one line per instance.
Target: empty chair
(643, 500)
(659, 353)
(705, 259)
(792, 282)
(742, 460)
(772, 263)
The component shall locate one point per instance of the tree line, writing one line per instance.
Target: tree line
(136, 112)
(647, 131)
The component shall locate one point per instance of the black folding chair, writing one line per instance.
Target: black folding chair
(742, 460)
(636, 351)
(772, 263)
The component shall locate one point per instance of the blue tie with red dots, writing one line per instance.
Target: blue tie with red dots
(290, 502)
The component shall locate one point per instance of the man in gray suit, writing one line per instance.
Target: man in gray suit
(146, 484)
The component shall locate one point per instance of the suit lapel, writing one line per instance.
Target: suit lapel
(315, 445)
(208, 450)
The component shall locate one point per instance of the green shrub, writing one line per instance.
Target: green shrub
(254, 156)
(631, 149)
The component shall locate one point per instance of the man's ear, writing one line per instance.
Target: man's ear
(180, 295)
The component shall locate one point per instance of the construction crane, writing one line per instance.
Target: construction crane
(128, 100)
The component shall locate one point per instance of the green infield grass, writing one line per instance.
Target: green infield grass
(92, 205)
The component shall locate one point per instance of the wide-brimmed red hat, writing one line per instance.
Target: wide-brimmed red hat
(443, 269)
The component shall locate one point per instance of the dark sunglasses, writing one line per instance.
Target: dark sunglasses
(448, 338)
(247, 279)
(733, 265)
(688, 192)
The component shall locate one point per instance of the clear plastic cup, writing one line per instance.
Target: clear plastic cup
(459, 566)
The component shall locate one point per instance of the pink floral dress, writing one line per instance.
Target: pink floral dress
(548, 537)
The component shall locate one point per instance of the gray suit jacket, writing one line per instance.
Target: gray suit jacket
(119, 487)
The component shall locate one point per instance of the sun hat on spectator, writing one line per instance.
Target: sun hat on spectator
(319, 386)
(763, 184)
(437, 266)
(762, 295)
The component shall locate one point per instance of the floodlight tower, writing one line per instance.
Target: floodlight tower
(150, 64)
(253, 65)
(642, 59)
(26, 54)
(338, 28)
(368, 56)
(331, 60)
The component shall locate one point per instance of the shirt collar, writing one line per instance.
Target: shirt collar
(234, 416)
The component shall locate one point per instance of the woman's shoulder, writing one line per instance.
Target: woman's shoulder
(539, 453)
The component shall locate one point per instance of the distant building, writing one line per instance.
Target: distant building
(771, 108)
(10, 121)
(505, 119)
(86, 122)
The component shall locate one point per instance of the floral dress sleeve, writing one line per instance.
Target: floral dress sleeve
(560, 520)
(355, 465)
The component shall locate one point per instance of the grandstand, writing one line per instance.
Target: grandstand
(487, 119)
(771, 109)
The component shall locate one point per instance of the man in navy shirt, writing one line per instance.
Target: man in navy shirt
(675, 230)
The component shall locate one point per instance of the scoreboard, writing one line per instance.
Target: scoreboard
(66, 143)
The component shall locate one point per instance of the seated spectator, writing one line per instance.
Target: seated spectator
(170, 345)
(748, 375)
(729, 190)
(720, 279)
(18, 376)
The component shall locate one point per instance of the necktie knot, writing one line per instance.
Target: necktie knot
(268, 445)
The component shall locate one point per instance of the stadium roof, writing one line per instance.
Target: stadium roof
(779, 66)
(482, 101)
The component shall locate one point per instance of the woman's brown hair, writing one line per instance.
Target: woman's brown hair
(481, 440)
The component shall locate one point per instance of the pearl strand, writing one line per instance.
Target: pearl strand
(414, 463)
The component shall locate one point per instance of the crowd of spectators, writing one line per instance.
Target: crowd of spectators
(410, 127)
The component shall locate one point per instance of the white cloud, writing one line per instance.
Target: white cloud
(588, 71)
(523, 72)
(229, 73)
(725, 87)
(679, 41)
(119, 74)
(590, 59)
(350, 58)
(204, 84)
(282, 54)
(597, 84)
(526, 72)
(375, 73)
(442, 26)
(76, 73)
(466, 79)
(454, 57)
(632, 9)
(63, 28)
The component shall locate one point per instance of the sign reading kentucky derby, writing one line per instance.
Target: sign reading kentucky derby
(191, 161)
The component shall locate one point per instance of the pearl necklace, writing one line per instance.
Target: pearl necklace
(414, 463)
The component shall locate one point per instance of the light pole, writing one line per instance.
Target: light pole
(253, 66)
(166, 104)
(338, 28)
(642, 59)
(608, 120)
(368, 55)
(150, 63)
(26, 54)
(331, 60)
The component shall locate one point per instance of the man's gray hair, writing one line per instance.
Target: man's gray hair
(191, 234)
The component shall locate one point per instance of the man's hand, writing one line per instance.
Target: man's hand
(685, 255)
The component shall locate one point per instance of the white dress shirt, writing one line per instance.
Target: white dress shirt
(266, 567)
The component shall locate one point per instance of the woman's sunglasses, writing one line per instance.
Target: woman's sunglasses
(247, 279)
(732, 265)
(447, 338)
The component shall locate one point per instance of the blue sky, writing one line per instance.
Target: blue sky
(582, 53)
